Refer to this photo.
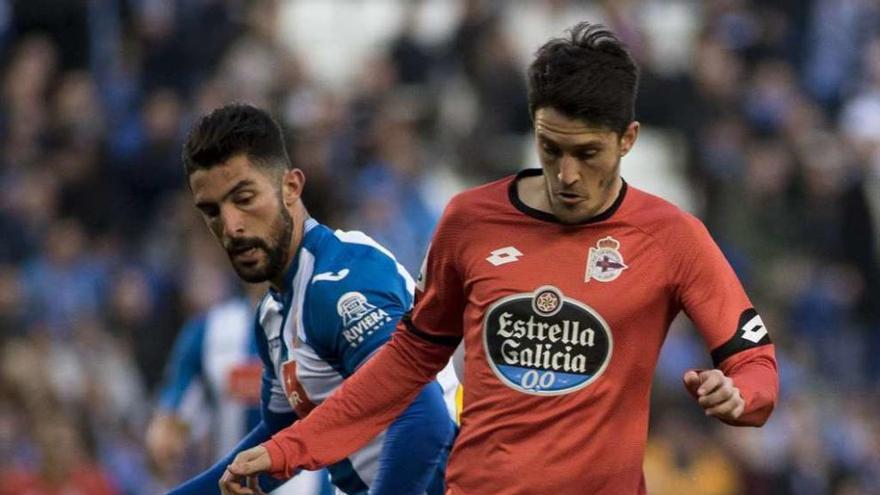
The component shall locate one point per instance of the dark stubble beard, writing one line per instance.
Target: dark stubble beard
(277, 249)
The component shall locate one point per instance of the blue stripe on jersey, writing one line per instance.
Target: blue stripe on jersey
(185, 364)
(285, 352)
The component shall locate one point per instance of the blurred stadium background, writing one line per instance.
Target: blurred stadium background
(761, 117)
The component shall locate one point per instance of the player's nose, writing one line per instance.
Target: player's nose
(569, 171)
(233, 223)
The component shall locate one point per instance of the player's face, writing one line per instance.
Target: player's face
(581, 163)
(244, 207)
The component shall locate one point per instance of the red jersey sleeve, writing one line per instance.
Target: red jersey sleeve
(370, 399)
(712, 296)
(439, 303)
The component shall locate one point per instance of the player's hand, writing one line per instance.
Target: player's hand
(231, 484)
(240, 477)
(716, 393)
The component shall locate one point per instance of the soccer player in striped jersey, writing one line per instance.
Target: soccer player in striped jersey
(334, 299)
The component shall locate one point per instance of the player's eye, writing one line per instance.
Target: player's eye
(586, 155)
(550, 150)
(244, 199)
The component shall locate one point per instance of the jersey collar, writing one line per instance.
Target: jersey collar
(513, 195)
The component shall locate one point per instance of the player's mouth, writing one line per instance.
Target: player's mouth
(247, 255)
(569, 199)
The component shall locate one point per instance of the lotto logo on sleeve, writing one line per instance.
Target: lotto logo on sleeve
(544, 343)
(750, 333)
(753, 330)
(359, 318)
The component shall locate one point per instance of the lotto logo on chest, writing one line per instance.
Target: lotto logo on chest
(545, 343)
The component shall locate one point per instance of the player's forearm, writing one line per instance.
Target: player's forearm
(757, 379)
(364, 405)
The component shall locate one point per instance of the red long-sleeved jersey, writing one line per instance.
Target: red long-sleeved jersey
(562, 326)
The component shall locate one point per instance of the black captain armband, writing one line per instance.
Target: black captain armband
(750, 333)
(444, 340)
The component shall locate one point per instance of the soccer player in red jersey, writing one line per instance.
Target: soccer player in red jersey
(562, 283)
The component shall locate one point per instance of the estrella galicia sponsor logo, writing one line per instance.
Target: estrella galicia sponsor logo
(544, 343)
(359, 318)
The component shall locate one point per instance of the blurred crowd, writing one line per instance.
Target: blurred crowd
(776, 105)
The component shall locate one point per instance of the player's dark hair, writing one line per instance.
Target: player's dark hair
(587, 75)
(231, 130)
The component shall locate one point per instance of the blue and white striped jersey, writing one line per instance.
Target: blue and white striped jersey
(342, 298)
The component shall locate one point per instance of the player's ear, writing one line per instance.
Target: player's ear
(292, 185)
(629, 136)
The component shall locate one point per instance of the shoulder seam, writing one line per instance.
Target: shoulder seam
(670, 281)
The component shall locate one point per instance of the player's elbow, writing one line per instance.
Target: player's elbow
(758, 382)
(760, 416)
(767, 403)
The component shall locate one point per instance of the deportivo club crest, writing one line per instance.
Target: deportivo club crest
(605, 263)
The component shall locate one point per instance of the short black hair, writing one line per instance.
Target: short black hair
(587, 75)
(232, 130)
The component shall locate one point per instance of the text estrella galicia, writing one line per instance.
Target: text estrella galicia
(544, 343)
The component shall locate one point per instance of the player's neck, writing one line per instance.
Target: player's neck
(533, 192)
(299, 220)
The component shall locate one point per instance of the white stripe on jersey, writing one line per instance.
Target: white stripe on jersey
(270, 321)
(300, 284)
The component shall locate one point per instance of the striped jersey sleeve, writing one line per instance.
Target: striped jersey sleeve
(354, 301)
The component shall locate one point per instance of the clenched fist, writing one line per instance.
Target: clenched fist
(716, 393)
